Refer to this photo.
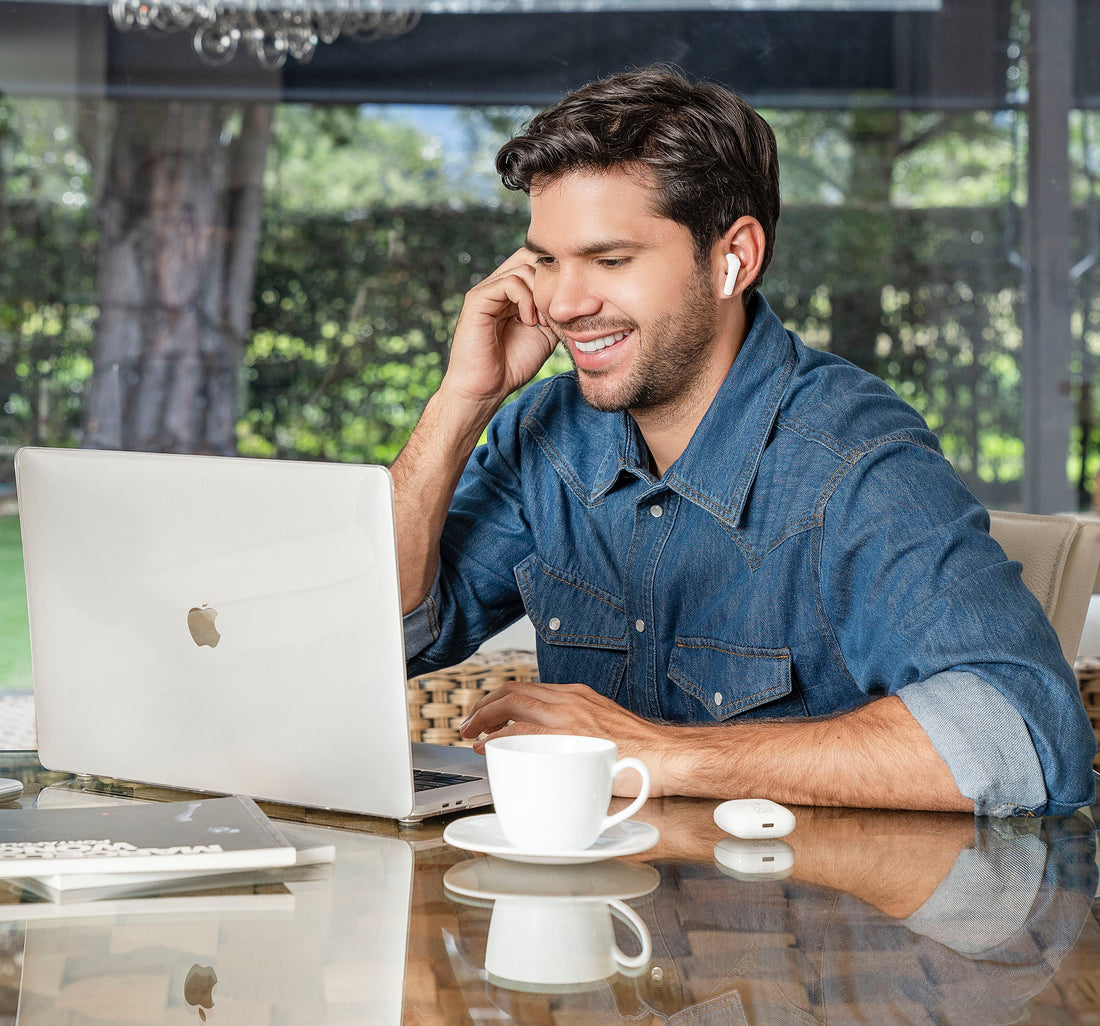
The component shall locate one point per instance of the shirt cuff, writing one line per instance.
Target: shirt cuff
(986, 898)
(422, 623)
(983, 740)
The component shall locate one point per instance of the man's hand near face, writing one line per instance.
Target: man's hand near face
(501, 339)
(499, 345)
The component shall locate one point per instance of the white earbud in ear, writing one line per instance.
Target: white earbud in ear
(733, 265)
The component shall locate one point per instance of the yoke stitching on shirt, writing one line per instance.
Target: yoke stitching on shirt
(846, 452)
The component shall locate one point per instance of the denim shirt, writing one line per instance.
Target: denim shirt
(810, 549)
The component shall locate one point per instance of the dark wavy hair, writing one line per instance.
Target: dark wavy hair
(711, 157)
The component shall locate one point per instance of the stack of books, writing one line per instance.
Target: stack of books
(95, 852)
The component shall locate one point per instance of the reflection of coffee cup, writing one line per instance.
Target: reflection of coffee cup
(551, 791)
(554, 943)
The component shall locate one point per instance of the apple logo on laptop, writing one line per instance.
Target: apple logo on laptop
(198, 988)
(200, 622)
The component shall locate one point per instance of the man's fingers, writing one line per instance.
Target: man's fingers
(510, 730)
(543, 705)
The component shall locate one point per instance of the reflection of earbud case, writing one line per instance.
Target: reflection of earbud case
(749, 860)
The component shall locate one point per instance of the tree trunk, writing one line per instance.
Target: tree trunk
(180, 213)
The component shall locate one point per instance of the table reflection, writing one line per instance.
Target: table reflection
(315, 945)
(879, 917)
(871, 917)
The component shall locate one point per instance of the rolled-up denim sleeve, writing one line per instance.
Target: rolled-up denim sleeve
(1002, 774)
(956, 634)
(422, 623)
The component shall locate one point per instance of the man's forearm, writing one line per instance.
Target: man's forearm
(425, 476)
(876, 756)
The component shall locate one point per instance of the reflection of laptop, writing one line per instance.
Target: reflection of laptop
(226, 625)
(333, 949)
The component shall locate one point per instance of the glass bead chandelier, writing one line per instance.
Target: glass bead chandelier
(271, 32)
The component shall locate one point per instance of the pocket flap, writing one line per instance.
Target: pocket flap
(730, 679)
(567, 610)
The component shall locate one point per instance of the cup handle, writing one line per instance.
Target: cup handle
(634, 921)
(643, 791)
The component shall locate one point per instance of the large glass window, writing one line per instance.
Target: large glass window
(267, 256)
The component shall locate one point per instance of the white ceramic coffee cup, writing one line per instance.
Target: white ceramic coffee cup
(551, 791)
(547, 942)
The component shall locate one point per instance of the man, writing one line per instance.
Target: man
(748, 562)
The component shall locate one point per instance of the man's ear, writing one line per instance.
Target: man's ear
(737, 256)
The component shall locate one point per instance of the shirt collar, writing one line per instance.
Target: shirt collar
(731, 437)
(735, 429)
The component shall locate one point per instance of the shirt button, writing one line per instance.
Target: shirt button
(639, 626)
(717, 697)
(655, 511)
(554, 624)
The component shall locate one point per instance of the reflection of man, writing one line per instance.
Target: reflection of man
(747, 562)
(839, 941)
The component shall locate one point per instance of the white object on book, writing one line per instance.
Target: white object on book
(71, 887)
(179, 837)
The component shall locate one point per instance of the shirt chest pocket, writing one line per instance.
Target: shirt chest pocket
(730, 680)
(581, 628)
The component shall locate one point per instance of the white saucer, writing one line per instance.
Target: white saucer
(482, 834)
(490, 878)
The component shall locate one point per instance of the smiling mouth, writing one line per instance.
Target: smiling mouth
(600, 343)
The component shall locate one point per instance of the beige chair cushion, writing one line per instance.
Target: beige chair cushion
(1061, 560)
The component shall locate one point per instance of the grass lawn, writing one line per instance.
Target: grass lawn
(15, 653)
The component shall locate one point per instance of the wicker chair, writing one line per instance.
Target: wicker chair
(1060, 557)
(439, 701)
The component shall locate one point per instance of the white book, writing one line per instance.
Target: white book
(75, 887)
(163, 837)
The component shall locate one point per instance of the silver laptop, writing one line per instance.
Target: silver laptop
(226, 625)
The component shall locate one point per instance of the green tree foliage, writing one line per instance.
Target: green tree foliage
(372, 237)
(346, 351)
(47, 275)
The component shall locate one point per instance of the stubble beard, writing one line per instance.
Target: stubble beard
(669, 361)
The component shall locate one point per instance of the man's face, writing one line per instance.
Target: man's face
(623, 290)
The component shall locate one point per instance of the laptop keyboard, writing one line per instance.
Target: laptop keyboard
(427, 780)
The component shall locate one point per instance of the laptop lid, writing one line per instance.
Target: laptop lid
(221, 624)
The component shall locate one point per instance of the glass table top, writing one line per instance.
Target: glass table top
(876, 917)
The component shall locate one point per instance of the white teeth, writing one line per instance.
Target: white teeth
(601, 343)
